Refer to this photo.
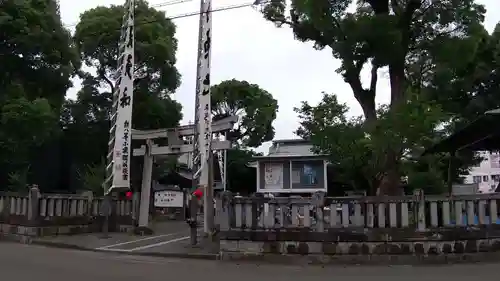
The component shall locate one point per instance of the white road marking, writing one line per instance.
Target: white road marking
(137, 240)
(128, 258)
(159, 244)
(113, 250)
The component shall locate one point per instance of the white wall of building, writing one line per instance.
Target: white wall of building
(487, 174)
(291, 148)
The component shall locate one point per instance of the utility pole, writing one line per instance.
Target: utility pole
(202, 160)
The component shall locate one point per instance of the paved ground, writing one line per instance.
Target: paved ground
(27, 263)
(169, 237)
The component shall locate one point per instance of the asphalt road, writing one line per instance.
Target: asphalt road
(33, 263)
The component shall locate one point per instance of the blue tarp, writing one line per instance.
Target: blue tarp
(476, 220)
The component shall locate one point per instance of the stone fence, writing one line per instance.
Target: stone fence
(37, 214)
(360, 227)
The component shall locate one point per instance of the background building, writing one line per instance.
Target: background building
(291, 167)
(487, 174)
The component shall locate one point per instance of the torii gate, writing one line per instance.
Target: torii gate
(176, 146)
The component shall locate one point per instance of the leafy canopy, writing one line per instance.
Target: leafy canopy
(255, 107)
(37, 61)
(36, 48)
(96, 37)
(381, 33)
(359, 157)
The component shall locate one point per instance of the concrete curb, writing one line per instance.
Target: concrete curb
(60, 245)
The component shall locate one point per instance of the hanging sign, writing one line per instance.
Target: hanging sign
(169, 199)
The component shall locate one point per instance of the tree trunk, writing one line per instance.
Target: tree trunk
(366, 98)
(390, 182)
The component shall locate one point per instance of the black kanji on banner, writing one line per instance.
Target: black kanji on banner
(130, 36)
(206, 81)
(125, 99)
(128, 66)
(207, 44)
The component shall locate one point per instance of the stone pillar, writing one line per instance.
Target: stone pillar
(135, 207)
(223, 211)
(223, 218)
(318, 201)
(33, 205)
(207, 182)
(147, 171)
(90, 198)
(192, 210)
(420, 209)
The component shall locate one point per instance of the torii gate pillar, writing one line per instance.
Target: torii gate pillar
(147, 172)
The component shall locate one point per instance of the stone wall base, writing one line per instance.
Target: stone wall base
(7, 230)
(362, 252)
(359, 259)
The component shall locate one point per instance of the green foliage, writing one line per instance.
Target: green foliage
(96, 37)
(154, 112)
(24, 124)
(359, 155)
(473, 84)
(37, 62)
(377, 29)
(164, 166)
(18, 180)
(92, 177)
(255, 107)
(241, 178)
(36, 48)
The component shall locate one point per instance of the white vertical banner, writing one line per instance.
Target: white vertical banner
(125, 88)
(204, 122)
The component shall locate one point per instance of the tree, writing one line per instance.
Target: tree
(473, 85)
(357, 156)
(35, 48)
(85, 123)
(96, 37)
(408, 38)
(24, 124)
(18, 180)
(241, 177)
(255, 107)
(91, 177)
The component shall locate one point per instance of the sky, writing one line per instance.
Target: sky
(247, 47)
